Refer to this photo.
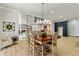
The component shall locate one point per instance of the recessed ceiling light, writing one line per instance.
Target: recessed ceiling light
(60, 16)
(52, 11)
(74, 22)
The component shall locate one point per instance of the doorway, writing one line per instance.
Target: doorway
(61, 28)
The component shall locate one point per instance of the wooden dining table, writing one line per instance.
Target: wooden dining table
(44, 40)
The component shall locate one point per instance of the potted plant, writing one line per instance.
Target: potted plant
(44, 36)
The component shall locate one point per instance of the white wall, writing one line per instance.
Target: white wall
(73, 28)
(10, 16)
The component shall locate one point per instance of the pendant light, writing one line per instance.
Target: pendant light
(42, 15)
(43, 21)
(42, 11)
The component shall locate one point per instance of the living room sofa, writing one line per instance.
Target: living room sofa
(5, 41)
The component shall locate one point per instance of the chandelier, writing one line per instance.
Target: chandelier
(42, 21)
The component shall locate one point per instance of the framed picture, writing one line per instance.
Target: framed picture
(8, 26)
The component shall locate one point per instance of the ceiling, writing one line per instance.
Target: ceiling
(59, 10)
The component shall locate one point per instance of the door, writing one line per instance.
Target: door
(60, 31)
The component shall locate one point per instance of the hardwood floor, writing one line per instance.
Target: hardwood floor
(15, 50)
(66, 46)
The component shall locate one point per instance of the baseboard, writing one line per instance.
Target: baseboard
(72, 36)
